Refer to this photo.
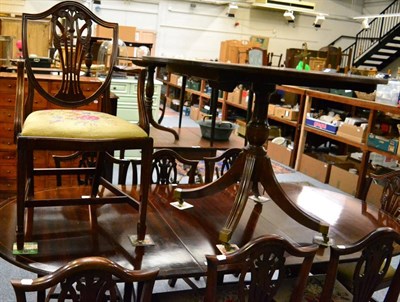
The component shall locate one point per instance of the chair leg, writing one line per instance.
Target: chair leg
(96, 178)
(172, 282)
(145, 180)
(21, 193)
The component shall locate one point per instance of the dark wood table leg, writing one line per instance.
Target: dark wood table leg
(149, 102)
(253, 166)
(182, 100)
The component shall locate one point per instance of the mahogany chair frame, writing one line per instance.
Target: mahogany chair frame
(376, 253)
(164, 167)
(226, 159)
(89, 279)
(72, 27)
(261, 257)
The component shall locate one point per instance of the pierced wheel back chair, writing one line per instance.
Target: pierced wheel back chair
(262, 257)
(67, 126)
(220, 164)
(90, 279)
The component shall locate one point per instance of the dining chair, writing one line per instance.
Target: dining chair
(89, 279)
(389, 203)
(390, 198)
(373, 253)
(219, 164)
(69, 125)
(264, 259)
(271, 57)
(376, 254)
(167, 167)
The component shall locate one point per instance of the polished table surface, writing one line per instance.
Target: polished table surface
(182, 237)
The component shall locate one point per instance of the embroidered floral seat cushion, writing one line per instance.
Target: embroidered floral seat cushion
(79, 124)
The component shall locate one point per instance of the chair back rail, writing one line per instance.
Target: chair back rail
(262, 257)
(89, 279)
(72, 27)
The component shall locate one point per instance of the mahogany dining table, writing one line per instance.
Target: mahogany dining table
(253, 166)
(181, 238)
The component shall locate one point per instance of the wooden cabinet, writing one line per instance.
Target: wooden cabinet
(126, 90)
(38, 35)
(127, 106)
(7, 146)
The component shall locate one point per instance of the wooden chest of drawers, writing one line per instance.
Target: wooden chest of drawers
(7, 147)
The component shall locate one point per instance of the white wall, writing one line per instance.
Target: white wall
(197, 32)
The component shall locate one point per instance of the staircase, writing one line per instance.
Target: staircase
(377, 46)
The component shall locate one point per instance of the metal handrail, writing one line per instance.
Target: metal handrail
(366, 39)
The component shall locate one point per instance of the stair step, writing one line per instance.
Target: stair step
(392, 45)
(379, 56)
(372, 62)
(389, 51)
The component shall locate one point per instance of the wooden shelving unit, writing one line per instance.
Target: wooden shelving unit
(315, 97)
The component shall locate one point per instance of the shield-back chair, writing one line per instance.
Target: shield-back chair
(67, 125)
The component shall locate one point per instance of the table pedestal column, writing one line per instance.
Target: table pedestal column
(253, 166)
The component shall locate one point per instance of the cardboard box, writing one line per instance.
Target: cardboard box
(279, 153)
(352, 132)
(374, 194)
(173, 78)
(202, 115)
(315, 168)
(324, 126)
(286, 113)
(125, 33)
(194, 112)
(271, 109)
(241, 130)
(341, 178)
(383, 143)
(235, 96)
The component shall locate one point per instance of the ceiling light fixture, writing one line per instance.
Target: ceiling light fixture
(232, 9)
(318, 21)
(289, 16)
